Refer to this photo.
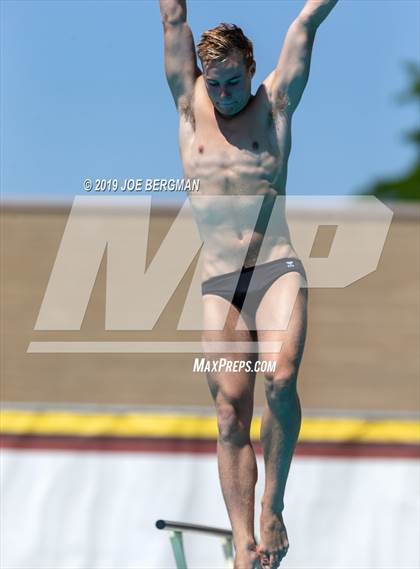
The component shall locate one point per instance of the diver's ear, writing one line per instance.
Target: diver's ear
(253, 68)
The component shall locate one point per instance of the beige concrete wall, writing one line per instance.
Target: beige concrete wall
(361, 352)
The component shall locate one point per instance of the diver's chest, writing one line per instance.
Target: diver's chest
(252, 143)
(254, 134)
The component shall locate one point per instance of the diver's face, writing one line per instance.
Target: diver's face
(229, 83)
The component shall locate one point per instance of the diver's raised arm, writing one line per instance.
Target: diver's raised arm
(287, 82)
(180, 57)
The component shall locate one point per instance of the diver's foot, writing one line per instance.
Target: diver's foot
(274, 542)
(246, 557)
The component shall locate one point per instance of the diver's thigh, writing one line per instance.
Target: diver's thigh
(282, 318)
(225, 350)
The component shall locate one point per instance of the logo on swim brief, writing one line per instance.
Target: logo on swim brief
(290, 263)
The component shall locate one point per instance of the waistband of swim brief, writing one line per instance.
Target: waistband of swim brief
(245, 270)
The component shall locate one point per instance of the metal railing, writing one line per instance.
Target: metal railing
(176, 530)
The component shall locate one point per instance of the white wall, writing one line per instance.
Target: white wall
(97, 510)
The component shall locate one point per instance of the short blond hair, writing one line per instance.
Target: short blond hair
(216, 44)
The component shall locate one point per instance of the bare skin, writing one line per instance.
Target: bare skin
(238, 144)
(233, 396)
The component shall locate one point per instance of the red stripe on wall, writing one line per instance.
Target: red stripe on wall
(198, 446)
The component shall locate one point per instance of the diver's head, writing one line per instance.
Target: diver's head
(226, 55)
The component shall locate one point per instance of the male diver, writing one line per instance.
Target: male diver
(254, 286)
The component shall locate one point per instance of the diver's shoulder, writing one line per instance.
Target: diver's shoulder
(262, 96)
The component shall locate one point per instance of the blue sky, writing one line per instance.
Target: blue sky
(83, 92)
